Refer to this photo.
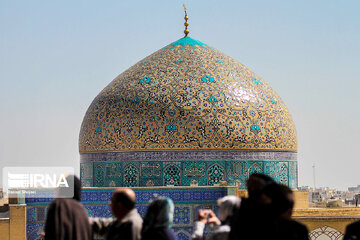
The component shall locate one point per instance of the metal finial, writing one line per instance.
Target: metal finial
(186, 31)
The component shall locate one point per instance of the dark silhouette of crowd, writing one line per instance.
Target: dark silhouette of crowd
(264, 214)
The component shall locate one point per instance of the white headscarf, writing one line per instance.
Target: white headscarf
(227, 206)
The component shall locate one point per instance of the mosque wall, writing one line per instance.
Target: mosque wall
(327, 223)
(301, 199)
(4, 228)
(187, 202)
(332, 227)
(18, 222)
(14, 227)
(330, 223)
(337, 218)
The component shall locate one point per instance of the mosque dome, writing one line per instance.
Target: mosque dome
(188, 96)
(185, 105)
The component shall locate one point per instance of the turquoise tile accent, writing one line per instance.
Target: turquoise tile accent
(207, 79)
(187, 41)
(255, 127)
(171, 127)
(136, 100)
(212, 99)
(257, 80)
(146, 80)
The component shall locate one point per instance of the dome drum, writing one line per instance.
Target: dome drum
(185, 168)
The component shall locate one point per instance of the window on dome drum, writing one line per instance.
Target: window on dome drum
(284, 174)
(99, 176)
(131, 176)
(216, 174)
(172, 176)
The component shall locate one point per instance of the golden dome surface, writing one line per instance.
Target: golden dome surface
(187, 96)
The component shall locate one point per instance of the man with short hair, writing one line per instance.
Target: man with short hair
(126, 224)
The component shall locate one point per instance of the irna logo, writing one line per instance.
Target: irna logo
(37, 180)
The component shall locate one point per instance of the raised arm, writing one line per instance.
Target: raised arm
(100, 226)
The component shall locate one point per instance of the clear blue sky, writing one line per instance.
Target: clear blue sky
(56, 56)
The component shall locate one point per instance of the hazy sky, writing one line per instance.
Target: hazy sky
(56, 56)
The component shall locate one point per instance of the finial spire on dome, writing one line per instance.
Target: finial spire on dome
(186, 31)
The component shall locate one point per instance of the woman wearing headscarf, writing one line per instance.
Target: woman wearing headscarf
(221, 225)
(67, 219)
(158, 220)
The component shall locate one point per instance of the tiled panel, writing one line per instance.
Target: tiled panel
(187, 173)
(187, 202)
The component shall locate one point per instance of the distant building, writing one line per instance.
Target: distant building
(354, 189)
(316, 197)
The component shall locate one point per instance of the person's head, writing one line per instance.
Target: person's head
(159, 214)
(123, 201)
(282, 199)
(227, 206)
(73, 190)
(255, 186)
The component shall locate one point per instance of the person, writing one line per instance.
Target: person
(67, 219)
(253, 219)
(352, 231)
(126, 223)
(282, 203)
(158, 220)
(221, 225)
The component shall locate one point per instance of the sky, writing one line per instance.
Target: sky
(56, 56)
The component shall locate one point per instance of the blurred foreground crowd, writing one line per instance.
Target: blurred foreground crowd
(265, 214)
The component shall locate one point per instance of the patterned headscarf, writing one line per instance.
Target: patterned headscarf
(227, 206)
(159, 214)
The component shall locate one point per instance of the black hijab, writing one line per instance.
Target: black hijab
(67, 219)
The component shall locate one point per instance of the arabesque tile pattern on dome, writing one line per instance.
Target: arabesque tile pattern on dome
(187, 96)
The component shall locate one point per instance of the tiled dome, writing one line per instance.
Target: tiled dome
(187, 96)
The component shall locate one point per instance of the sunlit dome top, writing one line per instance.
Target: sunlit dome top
(188, 96)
